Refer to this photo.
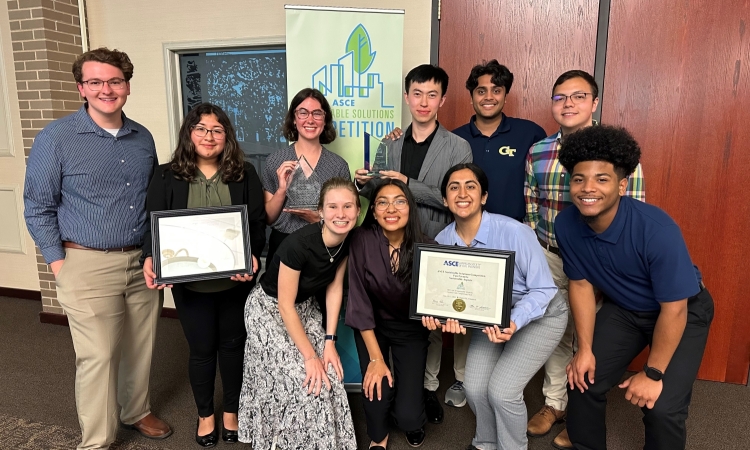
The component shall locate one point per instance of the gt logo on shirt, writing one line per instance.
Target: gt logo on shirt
(507, 151)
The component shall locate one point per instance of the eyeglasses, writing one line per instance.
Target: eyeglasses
(96, 85)
(576, 97)
(217, 133)
(400, 204)
(303, 114)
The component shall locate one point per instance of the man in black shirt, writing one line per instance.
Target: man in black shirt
(420, 158)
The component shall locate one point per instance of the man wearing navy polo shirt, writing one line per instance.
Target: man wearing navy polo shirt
(635, 254)
(499, 143)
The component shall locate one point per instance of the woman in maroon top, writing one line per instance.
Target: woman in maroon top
(380, 260)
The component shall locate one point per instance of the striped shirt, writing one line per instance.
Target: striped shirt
(329, 165)
(547, 188)
(86, 186)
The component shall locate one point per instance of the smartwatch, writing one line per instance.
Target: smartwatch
(654, 374)
(334, 338)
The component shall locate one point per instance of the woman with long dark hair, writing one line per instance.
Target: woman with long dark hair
(501, 362)
(208, 169)
(289, 355)
(380, 265)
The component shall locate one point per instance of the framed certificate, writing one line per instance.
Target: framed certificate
(471, 285)
(200, 243)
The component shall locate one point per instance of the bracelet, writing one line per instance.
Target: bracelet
(374, 360)
(311, 358)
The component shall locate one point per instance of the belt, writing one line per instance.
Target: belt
(129, 248)
(549, 248)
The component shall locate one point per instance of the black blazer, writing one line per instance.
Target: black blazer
(165, 192)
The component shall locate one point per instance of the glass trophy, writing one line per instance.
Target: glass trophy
(376, 156)
(304, 187)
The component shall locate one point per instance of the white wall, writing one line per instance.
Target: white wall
(142, 27)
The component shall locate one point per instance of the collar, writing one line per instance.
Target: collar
(85, 124)
(504, 126)
(482, 237)
(594, 123)
(407, 134)
(613, 232)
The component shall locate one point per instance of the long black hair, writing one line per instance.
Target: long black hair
(412, 230)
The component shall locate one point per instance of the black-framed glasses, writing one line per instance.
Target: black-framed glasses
(576, 97)
(303, 114)
(202, 131)
(400, 204)
(96, 85)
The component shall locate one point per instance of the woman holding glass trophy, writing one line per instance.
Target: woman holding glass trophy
(207, 169)
(293, 176)
(501, 362)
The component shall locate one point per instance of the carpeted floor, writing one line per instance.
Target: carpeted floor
(37, 405)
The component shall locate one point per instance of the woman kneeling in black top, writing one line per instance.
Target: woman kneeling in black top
(288, 355)
(379, 288)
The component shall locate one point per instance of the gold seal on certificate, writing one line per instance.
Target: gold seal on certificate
(471, 285)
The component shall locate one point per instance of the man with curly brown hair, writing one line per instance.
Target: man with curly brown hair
(85, 200)
(653, 295)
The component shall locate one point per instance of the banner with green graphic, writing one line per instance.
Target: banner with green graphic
(354, 57)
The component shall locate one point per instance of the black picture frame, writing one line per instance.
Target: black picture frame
(184, 230)
(475, 272)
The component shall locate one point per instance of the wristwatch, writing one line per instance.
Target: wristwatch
(654, 374)
(334, 338)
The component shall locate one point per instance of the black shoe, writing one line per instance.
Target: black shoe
(208, 440)
(415, 438)
(229, 436)
(471, 447)
(432, 407)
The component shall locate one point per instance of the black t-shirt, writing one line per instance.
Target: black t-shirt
(413, 153)
(304, 251)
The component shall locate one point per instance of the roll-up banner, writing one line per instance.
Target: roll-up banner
(354, 57)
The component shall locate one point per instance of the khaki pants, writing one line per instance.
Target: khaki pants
(435, 354)
(112, 318)
(555, 377)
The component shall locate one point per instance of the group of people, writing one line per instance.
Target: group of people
(598, 273)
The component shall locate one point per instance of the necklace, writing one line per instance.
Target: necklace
(329, 252)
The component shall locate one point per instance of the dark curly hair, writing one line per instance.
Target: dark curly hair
(231, 161)
(412, 231)
(501, 75)
(103, 55)
(290, 131)
(610, 144)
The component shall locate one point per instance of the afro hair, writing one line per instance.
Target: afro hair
(610, 144)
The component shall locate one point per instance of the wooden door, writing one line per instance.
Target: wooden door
(537, 41)
(677, 78)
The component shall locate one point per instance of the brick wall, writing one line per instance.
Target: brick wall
(46, 39)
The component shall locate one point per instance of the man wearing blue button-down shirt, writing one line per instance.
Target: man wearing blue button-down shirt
(85, 200)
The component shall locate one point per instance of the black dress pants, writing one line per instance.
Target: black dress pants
(619, 336)
(276, 238)
(407, 342)
(213, 324)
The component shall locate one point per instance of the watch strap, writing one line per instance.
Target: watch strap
(654, 374)
(332, 337)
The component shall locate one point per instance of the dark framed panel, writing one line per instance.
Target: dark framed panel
(200, 244)
(471, 285)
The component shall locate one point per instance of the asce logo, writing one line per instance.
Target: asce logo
(450, 263)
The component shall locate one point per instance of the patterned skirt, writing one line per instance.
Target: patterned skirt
(274, 407)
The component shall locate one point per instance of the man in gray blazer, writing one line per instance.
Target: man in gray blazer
(420, 158)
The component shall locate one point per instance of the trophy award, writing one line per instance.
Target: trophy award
(376, 156)
(304, 187)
